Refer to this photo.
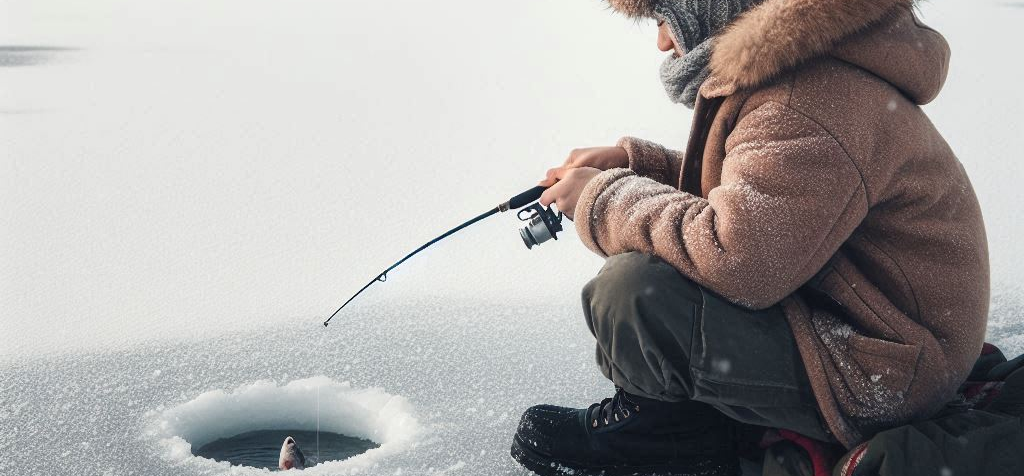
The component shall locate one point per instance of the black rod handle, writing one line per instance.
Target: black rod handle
(526, 198)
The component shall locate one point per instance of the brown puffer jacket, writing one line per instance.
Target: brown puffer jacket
(813, 179)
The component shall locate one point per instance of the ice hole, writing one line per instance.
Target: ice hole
(357, 427)
(262, 448)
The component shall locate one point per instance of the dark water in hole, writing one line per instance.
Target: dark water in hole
(262, 448)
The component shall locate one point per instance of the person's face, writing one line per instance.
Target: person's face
(666, 41)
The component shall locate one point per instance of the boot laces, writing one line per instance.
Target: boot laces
(612, 410)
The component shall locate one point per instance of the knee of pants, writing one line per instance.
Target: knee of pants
(634, 281)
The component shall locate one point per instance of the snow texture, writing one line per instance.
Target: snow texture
(189, 188)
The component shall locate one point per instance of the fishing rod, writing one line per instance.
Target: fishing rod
(542, 224)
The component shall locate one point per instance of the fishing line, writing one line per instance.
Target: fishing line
(318, 423)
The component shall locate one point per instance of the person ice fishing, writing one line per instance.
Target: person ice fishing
(815, 259)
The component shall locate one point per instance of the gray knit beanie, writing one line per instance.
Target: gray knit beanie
(693, 23)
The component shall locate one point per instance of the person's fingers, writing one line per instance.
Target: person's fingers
(572, 157)
(556, 194)
(549, 178)
(556, 174)
(552, 172)
(561, 173)
(550, 195)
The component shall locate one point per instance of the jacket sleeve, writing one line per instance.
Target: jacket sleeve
(652, 160)
(789, 197)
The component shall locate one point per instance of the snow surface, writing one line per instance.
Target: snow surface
(189, 188)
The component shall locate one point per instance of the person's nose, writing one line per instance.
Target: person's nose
(665, 40)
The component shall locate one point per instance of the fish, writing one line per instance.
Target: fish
(291, 456)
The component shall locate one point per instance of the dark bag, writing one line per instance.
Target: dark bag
(980, 433)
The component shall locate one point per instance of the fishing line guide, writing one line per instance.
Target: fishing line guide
(542, 224)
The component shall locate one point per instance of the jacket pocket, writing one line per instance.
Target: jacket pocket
(885, 366)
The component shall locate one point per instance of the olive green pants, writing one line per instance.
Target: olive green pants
(661, 336)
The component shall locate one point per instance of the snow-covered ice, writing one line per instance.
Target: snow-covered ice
(464, 372)
(188, 189)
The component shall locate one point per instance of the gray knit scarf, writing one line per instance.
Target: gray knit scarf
(693, 23)
(683, 75)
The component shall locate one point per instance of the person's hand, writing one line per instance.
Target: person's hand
(601, 158)
(569, 184)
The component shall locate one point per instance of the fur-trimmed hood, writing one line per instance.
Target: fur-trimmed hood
(777, 35)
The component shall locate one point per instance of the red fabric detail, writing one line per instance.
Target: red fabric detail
(854, 461)
(979, 394)
(821, 458)
(988, 349)
(972, 389)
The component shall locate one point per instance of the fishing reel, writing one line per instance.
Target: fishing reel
(542, 224)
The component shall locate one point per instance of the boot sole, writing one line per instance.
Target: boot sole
(546, 466)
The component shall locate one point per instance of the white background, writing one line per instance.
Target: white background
(197, 175)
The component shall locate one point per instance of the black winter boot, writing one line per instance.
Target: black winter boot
(627, 435)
